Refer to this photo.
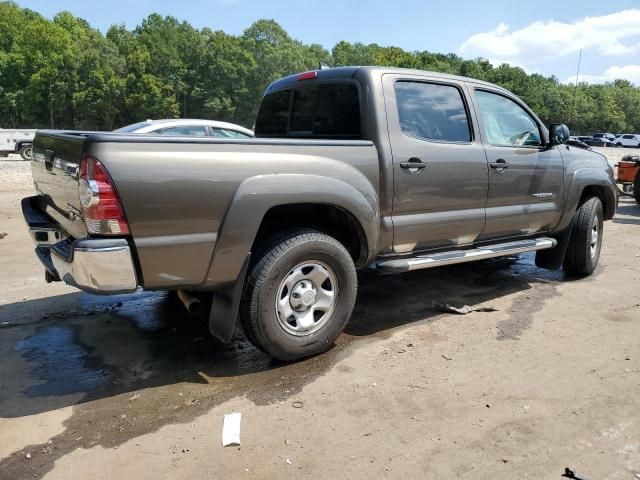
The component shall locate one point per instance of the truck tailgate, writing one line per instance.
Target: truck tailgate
(55, 163)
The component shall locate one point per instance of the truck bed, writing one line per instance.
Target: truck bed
(176, 191)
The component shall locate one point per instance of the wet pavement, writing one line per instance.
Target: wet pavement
(144, 357)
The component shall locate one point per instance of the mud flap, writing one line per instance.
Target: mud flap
(225, 306)
(552, 258)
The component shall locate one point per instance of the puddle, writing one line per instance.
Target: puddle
(62, 363)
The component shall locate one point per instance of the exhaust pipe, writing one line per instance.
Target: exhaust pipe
(191, 303)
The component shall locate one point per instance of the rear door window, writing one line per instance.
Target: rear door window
(225, 133)
(432, 111)
(323, 111)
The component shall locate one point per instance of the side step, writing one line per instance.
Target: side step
(462, 256)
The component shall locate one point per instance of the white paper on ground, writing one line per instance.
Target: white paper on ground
(231, 429)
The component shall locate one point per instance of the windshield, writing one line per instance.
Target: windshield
(132, 128)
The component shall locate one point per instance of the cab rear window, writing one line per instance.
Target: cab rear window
(322, 111)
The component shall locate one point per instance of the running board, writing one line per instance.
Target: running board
(462, 256)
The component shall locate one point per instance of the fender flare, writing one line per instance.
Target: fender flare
(251, 202)
(583, 178)
(580, 180)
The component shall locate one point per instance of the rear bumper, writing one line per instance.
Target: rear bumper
(100, 266)
(97, 266)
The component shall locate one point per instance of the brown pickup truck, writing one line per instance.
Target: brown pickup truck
(390, 169)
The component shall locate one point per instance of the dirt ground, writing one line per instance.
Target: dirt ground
(131, 387)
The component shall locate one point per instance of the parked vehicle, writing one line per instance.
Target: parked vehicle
(628, 140)
(608, 136)
(598, 142)
(188, 127)
(16, 141)
(352, 167)
(575, 142)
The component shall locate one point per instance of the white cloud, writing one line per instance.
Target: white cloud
(611, 35)
(512, 63)
(618, 49)
(626, 72)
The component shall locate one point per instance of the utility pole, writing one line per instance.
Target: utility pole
(575, 90)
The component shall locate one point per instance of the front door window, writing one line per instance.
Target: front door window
(506, 124)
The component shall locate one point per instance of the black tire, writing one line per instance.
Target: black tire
(26, 152)
(618, 144)
(274, 265)
(636, 187)
(580, 259)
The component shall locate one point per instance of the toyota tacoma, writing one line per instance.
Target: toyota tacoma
(390, 169)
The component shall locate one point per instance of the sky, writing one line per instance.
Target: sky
(541, 37)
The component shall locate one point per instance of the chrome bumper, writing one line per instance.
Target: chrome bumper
(100, 266)
(95, 266)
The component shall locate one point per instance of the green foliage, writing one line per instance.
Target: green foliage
(65, 74)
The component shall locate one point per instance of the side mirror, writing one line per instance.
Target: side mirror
(558, 134)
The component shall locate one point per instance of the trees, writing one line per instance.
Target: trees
(274, 55)
(94, 76)
(627, 97)
(62, 73)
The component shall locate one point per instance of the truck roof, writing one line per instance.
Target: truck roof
(343, 73)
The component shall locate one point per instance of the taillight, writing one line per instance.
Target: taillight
(101, 207)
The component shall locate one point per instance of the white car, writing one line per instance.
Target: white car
(628, 140)
(188, 128)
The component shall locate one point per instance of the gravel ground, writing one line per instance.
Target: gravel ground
(615, 154)
(15, 172)
(132, 387)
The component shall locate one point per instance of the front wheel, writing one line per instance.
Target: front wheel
(585, 243)
(636, 187)
(26, 152)
(299, 295)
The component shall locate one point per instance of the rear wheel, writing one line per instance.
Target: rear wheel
(299, 295)
(636, 187)
(585, 244)
(26, 152)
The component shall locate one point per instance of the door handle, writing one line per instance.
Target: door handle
(500, 164)
(413, 163)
